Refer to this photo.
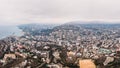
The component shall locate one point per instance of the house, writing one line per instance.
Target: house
(87, 63)
(13, 56)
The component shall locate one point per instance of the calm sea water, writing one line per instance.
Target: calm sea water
(6, 31)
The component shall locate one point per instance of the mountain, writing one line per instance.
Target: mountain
(37, 29)
(46, 29)
(92, 24)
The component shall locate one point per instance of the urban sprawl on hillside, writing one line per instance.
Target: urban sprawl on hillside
(63, 46)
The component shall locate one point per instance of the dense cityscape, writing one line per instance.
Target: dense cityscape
(62, 46)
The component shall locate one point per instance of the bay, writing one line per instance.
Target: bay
(6, 31)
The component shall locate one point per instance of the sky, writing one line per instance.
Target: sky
(58, 11)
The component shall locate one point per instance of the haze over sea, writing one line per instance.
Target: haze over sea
(6, 31)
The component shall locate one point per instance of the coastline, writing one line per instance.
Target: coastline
(10, 31)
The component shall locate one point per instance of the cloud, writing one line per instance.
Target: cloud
(28, 11)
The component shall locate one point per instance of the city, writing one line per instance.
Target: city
(59, 34)
(63, 46)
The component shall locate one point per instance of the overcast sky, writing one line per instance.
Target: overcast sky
(61, 11)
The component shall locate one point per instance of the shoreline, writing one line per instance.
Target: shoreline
(16, 32)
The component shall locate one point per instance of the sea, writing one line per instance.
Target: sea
(6, 31)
